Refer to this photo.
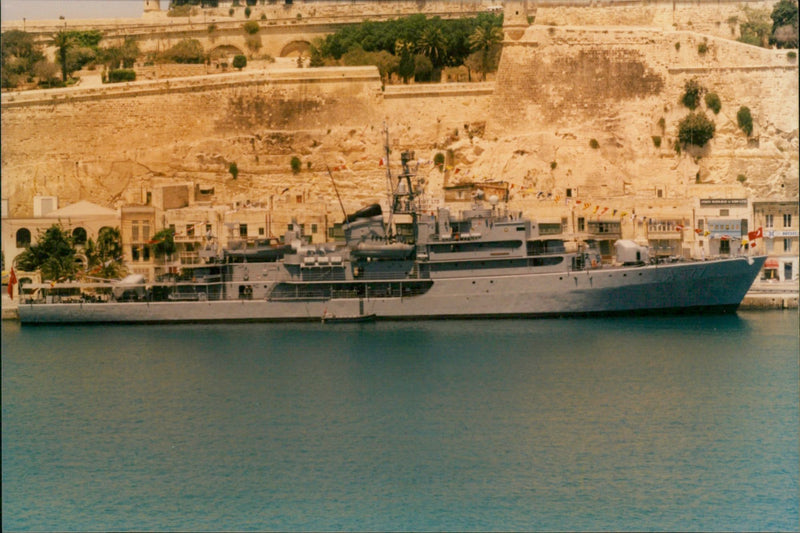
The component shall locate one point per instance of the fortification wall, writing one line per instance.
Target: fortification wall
(108, 143)
(557, 88)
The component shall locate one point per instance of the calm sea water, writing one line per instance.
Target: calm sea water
(621, 424)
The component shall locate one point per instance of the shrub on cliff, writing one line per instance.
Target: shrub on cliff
(239, 61)
(251, 27)
(696, 129)
(745, 120)
(122, 74)
(295, 164)
(713, 102)
(692, 91)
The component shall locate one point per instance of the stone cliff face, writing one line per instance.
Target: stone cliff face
(557, 89)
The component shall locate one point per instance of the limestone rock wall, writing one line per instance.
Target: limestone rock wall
(111, 146)
(560, 88)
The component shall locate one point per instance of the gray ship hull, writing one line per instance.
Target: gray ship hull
(701, 286)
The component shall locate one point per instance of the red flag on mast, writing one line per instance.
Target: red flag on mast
(12, 280)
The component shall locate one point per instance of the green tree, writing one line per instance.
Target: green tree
(62, 40)
(186, 51)
(696, 129)
(20, 55)
(124, 56)
(483, 40)
(164, 243)
(53, 255)
(253, 43)
(433, 45)
(756, 28)
(423, 68)
(105, 255)
(745, 120)
(406, 66)
(784, 24)
(239, 61)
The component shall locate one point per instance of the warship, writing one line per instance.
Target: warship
(413, 263)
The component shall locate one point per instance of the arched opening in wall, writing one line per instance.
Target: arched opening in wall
(296, 48)
(79, 236)
(81, 262)
(224, 51)
(23, 237)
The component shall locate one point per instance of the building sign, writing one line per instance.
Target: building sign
(725, 228)
(770, 234)
(714, 202)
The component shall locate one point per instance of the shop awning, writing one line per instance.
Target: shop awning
(771, 263)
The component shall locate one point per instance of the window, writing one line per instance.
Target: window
(190, 230)
(208, 228)
(79, 236)
(23, 237)
(769, 221)
(261, 231)
(135, 231)
(787, 244)
(172, 228)
(145, 230)
(569, 193)
(581, 224)
(725, 247)
(314, 228)
(787, 220)
(549, 229)
(242, 230)
(659, 192)
(604, 227)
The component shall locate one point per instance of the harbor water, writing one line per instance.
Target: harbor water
(652, 423)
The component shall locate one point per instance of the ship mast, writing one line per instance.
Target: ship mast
(401, 194)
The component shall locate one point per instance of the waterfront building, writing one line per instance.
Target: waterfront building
(778, 221)
(722, 225)
(83, 220)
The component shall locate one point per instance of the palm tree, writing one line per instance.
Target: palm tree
(433, 44)
(63, 41)
(105, 256)
(483, 39)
